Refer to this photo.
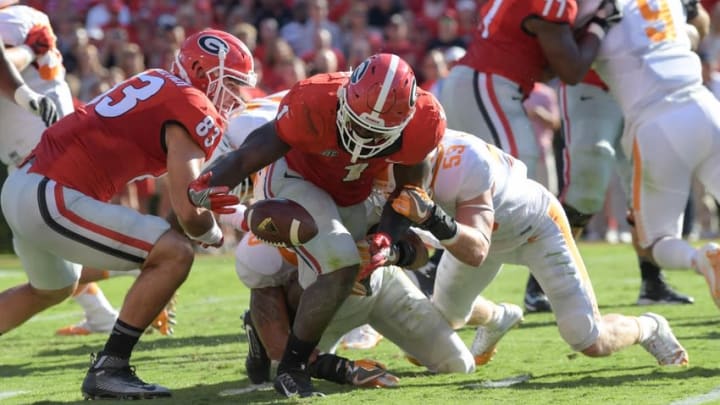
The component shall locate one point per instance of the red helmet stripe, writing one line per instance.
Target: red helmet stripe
(386, 86)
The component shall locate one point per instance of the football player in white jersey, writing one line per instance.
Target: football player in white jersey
(42, 91)
(672, 128)
(593, 125)
(478, 184)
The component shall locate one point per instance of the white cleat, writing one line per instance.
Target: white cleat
(663, 345)
(488, 336)
(707, 263)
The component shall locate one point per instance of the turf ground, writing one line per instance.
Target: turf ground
(205, 356)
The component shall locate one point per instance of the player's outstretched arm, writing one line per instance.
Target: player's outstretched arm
(184, 159)
(262, 147)
(568, 57)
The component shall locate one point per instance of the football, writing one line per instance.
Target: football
(280, 222)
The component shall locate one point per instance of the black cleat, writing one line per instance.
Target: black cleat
(535, 298)
(657, 291)
(111, 377)
(295, 382)
(257, 362)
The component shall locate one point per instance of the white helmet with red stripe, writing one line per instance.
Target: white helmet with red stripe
(376, 104)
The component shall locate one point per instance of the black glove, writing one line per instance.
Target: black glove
(608, 14)
(45, 109)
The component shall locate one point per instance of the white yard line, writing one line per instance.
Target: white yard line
(10, 394)
(713, 395)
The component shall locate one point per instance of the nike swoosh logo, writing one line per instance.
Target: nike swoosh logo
(419, 203)
(356, 381)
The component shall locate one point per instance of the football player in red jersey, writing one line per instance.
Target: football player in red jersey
(333, 133)
(56, 202)
(517, 43)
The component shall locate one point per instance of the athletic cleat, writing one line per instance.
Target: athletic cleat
(84, 328)
(659, 292)
(488, 335)
(707, 263)
(165, 320)
(362, 337)
(295, 382)
(257, 362)
(663, 345)
(369, 374)
(535, 298)
(111, 377)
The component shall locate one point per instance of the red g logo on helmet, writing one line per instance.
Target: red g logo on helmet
(376, 104)
(217, 63)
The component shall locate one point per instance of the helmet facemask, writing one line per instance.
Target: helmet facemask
(364, 147)
(223, 87)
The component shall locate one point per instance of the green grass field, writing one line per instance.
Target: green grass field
(206, 354)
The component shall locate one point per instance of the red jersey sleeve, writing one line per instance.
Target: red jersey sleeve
(424, 131)
(199, 116)
(557, 11)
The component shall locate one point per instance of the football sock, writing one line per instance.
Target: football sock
(122, 339)
(329, 367)
(673, 254)
(649, 271)
(297, 352)
(647, 325)
(96, 306)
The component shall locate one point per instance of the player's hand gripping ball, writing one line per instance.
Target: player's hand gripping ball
(280, 222)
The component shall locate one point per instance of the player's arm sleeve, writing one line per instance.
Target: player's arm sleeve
(201, 121)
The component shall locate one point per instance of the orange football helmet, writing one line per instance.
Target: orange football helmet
(217, 63)
(376, 104)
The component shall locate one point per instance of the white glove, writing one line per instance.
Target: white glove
(36, 103)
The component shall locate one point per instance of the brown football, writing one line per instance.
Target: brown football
(281, 222)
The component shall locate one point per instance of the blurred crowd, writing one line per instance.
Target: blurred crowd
(105, 41)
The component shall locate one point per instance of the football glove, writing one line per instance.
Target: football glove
(217, 199)
(40, 39)
(414, 203)
(38, 104)
(608, 14)
(376, 250)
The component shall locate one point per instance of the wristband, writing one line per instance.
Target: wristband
(211, 237)
(236, 218)
(597, 29)
(441, 225)
(24, 96)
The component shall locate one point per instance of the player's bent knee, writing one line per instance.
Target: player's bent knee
(172, 247)
(52, 297)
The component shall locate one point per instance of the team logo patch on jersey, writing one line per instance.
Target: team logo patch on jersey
(212, 44)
